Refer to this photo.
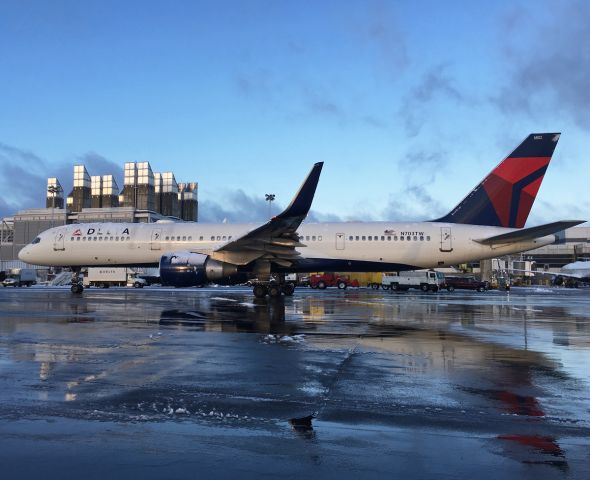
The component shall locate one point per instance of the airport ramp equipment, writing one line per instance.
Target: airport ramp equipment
(61, 279)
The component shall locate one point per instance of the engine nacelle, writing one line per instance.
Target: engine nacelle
(187, 269)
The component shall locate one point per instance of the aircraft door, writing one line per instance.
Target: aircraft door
(339, 241)
(59, 241)
(446, 239)
(156, 239)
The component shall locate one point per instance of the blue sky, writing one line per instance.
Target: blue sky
(409, 104)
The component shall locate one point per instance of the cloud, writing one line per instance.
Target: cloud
(436, 82)
(23, 176)
(382, 30)
(414, 203)
(548, 70)
(419, 170)
(237, 206)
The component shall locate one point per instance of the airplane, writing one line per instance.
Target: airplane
(488, 222)
(570, 274)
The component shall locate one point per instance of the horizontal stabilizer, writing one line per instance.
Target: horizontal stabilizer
(531, 233)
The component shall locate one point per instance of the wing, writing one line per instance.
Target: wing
(276, 240)
(525, 234)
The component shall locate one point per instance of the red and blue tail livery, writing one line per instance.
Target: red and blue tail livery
(505, 197)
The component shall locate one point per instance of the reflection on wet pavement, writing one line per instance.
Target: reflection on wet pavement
(502, 376)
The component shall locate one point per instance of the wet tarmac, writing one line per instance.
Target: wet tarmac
(208, 383)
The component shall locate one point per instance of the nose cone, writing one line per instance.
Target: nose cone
(25, 253)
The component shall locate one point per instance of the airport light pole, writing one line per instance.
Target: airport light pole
(269, 198)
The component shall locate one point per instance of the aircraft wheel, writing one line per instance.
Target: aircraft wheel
(77, 288)
(288, 289)
(424, 288)
(480, 289)
(260, 291)
(342, 285)
(450, 288)
(385, 287)
(322, 285)
(395, 287)
(274, 291)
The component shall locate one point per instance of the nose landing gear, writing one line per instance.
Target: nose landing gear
(77, 287)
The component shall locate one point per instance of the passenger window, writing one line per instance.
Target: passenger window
(229, 238)
(313, 238)
(77, 239)
(83, 239)
(350, 238)
(389, 238)
(111, 239)
(117, 239)
(307, 238)
(201, 237)
(72, 239)
(364, 238)
(224, 237)
(382, 238)
(370, 237)
(408, 238)
(421, 239)
(357, 238)
(320, 238)
(218, 237)
(212, 237)
(428, 238)
(167, 238)
(415, 238)
(184, 238)
(395, 238)
(100, 239)
(402, 238)
(190, 238)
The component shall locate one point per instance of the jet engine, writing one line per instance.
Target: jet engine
(187, 269)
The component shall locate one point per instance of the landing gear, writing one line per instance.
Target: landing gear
(274, 290)
(288, 289)
(77, 286)
(260, 291)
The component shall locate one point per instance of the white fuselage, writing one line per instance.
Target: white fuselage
(418, 244)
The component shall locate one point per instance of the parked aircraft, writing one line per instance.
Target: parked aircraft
(487, 223)
(570, 275)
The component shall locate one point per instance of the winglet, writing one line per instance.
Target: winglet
(301, 203)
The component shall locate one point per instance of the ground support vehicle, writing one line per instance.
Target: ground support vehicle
(466, 283)
(326, 280)
(112, 277)
(425, 280)
(18, 277)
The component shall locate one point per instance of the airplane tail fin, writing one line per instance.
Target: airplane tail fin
(505, 197)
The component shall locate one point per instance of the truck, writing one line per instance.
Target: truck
(425, 280)
(105, 277)
(17, 277)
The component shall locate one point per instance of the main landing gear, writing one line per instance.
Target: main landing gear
(273, 290)
(77, 286)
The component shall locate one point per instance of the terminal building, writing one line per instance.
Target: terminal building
(146, 197)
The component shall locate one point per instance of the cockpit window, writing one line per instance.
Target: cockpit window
(37, 240)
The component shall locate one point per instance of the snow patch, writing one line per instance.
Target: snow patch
(284, 339)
